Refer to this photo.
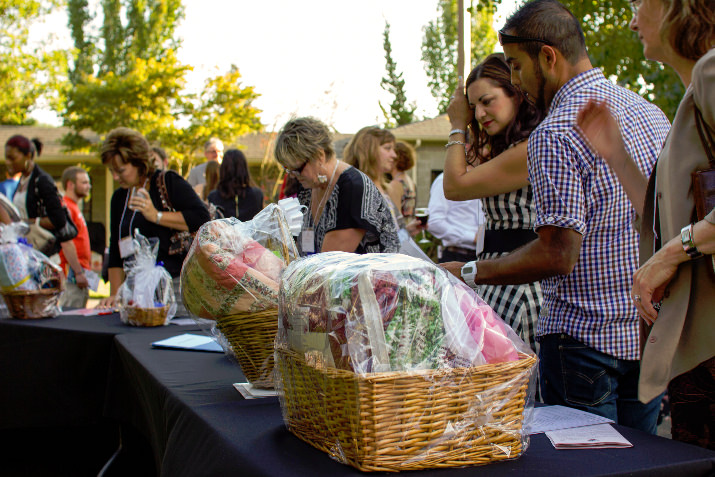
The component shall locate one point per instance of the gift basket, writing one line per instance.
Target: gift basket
(31, 283)
(388, 363)
(231, 276)
(146, 298)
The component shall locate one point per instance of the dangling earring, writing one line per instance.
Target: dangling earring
(322, 179)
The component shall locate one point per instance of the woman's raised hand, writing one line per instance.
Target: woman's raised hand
(600, 129)
(459, 113)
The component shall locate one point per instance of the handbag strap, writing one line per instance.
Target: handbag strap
(705, 138)
(163, 193)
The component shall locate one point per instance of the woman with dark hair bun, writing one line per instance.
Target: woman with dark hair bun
(235, 195)
(36, 195)
(486, 159)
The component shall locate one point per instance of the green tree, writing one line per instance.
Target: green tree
(613, 47)
(439, 45)
(399, 112)
(29, 73)
(129, 75)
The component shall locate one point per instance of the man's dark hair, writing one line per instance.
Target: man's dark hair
(552, 22)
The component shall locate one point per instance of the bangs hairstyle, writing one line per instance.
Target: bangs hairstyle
(235, 177)
(527, 116)
(689, 27)
(362, 151)
(26, 146)
(405, 159)
(301, 141)
(131, 147)
(551, 21)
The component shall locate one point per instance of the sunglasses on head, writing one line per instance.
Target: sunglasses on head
(505, 39)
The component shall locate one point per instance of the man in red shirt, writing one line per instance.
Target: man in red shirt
(75, 181)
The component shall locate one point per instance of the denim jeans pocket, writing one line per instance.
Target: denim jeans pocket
(585, 377)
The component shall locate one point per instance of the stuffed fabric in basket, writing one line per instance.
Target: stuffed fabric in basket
(234, 267)
(388, 312)
(146, 298)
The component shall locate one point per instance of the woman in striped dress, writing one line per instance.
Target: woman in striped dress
(497, 118)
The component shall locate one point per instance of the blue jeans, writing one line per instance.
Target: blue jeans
(575, 375)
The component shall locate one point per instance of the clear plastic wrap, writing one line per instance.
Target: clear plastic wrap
(146, 298)
(231, 277)
(31, 283)
(387, 362)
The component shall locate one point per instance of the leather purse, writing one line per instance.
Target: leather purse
(38, 233)
(704, 180)
(180, 242)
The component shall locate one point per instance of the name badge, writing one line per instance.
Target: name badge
(307, 241)
(126, 247)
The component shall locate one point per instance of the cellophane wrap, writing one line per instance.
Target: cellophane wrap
(147, 288)
(368, 349)
(230, 281)
(22, 268)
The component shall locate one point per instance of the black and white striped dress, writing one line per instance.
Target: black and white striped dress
(517, 305)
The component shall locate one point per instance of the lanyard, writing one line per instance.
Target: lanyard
(121, 221)
(328, 191)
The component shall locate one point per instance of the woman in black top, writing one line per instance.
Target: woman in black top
(127, 154)
(234, 194)
(37, 196)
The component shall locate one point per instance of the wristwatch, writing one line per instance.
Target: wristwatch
(469, 273)
(686, 238)
(158, 217)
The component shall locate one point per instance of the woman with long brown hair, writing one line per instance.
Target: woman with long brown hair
(491, 120)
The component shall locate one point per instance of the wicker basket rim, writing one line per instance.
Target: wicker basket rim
(41, 291)
(525, 360)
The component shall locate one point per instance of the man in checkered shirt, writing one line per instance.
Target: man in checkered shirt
(587, 248)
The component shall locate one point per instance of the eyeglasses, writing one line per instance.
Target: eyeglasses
(505, 39)
(297, 171)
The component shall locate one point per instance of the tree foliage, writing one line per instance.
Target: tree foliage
(617, 50)
(399, 112)
(29, 73)
(127, 74)
(439, 45)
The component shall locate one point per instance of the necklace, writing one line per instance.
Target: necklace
(319, 210)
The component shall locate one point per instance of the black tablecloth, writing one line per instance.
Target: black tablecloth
(202, 426)
(77, 369)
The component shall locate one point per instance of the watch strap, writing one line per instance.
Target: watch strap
(686, 239)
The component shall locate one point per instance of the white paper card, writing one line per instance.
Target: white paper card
(600, 436)
(550, 418)
(249, 392)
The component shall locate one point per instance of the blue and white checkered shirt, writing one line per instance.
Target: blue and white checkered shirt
(575, 189)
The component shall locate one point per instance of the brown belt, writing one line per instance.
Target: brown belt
(462, 250)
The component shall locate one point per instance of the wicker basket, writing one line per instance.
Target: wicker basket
(251, 336)
(31, 304)
(147, 316)
(407, 421)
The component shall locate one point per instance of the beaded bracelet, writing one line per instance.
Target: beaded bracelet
(457, 131)
(452, 143)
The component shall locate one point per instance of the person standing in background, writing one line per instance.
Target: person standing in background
(402, 188)
(213, 152)
(77, 185)
(456, 223)
(161, 158)
(235, 195)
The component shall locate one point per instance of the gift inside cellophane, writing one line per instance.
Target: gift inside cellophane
(387, 362)
(30, 282)
(146, 297)
(230, 278)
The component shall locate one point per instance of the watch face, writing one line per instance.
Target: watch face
(467, 269)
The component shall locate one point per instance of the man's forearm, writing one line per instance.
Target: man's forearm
(554, 252)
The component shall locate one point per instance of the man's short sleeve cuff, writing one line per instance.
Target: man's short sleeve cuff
(563, 222)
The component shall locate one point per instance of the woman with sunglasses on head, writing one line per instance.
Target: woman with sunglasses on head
(497, 119)
(346, 212)
(676, 250)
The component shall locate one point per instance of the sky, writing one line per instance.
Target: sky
(321, 58)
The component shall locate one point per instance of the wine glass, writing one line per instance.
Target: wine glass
(422, 214)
